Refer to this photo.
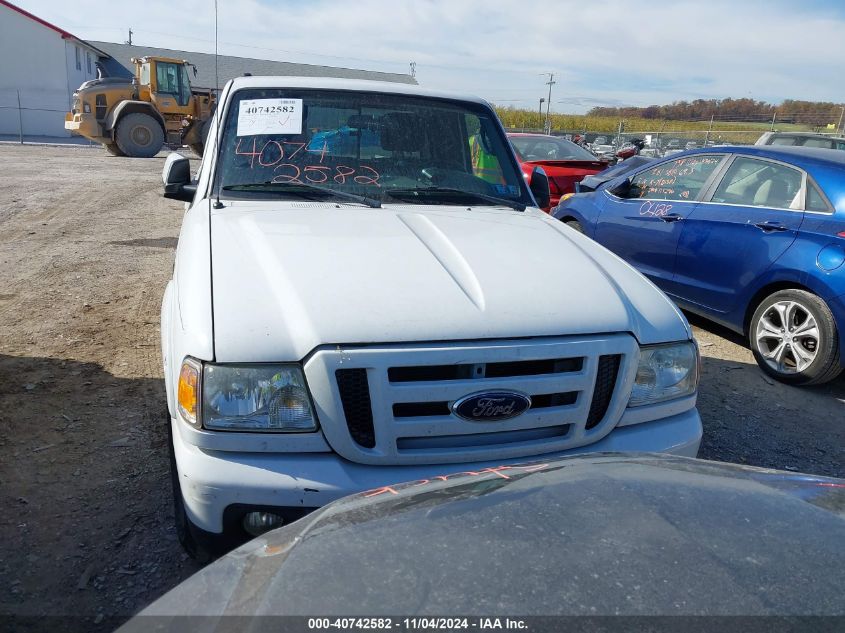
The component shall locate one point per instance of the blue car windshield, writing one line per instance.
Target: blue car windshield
(285, 141)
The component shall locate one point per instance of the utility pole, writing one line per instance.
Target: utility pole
(551, 82)
(839, 125)
(540, 112)
(130, 38)
(20, 116)
(709, 130)
(774, 116)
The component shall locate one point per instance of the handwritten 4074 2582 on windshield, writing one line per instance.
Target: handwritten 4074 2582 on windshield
(295, 162)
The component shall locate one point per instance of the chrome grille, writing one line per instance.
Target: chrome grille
(392, 404)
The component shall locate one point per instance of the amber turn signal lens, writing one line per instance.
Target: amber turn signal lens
(188, 392)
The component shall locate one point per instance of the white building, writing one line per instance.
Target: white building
(41, 65)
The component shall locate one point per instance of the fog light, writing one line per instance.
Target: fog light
(257, 523)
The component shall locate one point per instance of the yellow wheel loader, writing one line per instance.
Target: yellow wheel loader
(136, 117)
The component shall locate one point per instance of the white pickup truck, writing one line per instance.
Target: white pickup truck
(365, 292)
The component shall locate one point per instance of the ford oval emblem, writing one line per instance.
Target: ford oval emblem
(491, 406)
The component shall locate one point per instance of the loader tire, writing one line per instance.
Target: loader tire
(199, 148)
(139, 135)
(113, 149)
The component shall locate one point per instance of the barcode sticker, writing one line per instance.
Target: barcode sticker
(270, 116)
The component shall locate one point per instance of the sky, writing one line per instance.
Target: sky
(601, 52)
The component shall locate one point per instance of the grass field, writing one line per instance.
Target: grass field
(734, 131)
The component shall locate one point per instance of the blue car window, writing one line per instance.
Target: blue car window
(760, 183)
(815, 200)
(680, 179)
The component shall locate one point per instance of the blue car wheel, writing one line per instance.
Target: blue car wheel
(794, 339)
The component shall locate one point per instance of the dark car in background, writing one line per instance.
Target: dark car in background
(564, 162)
(602, 535)
(751, 237)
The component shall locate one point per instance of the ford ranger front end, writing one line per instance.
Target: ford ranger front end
(365, 292)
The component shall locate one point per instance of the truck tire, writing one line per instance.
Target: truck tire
(113, 149)
(199, 148)
(794, 339)
(139, 135)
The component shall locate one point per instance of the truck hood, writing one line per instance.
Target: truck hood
(291, 276)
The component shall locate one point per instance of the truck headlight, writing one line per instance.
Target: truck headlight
(264, 398)
(665, 372)
(188, 390)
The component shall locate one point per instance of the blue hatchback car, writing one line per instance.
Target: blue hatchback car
(750, 237)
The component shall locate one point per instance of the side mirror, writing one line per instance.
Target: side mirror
(176, 176)
(622, 190)
(539, 185)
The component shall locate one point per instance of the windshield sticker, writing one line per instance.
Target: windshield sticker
(269, 116)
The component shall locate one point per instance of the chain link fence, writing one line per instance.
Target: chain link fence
(663, 140)
(32, 115)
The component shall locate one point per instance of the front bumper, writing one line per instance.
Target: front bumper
(213, 480)
(84, 125)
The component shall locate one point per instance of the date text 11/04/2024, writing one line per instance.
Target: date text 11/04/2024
(418, 624)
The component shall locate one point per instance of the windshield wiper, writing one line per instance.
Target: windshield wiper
(513, 204)
(291, 187)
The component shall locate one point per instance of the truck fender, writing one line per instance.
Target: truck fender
(166, 314)
(128, 107)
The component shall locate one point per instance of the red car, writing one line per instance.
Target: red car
(564, 162)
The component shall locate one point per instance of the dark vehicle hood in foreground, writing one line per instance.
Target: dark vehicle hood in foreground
(593, 535)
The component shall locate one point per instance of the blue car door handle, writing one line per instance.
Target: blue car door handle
(672, 217)
(768, 227)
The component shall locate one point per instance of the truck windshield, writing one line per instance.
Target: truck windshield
(385, 147)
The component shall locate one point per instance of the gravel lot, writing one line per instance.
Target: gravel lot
(86, 247)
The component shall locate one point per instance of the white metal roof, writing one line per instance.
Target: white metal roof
(227, 67)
